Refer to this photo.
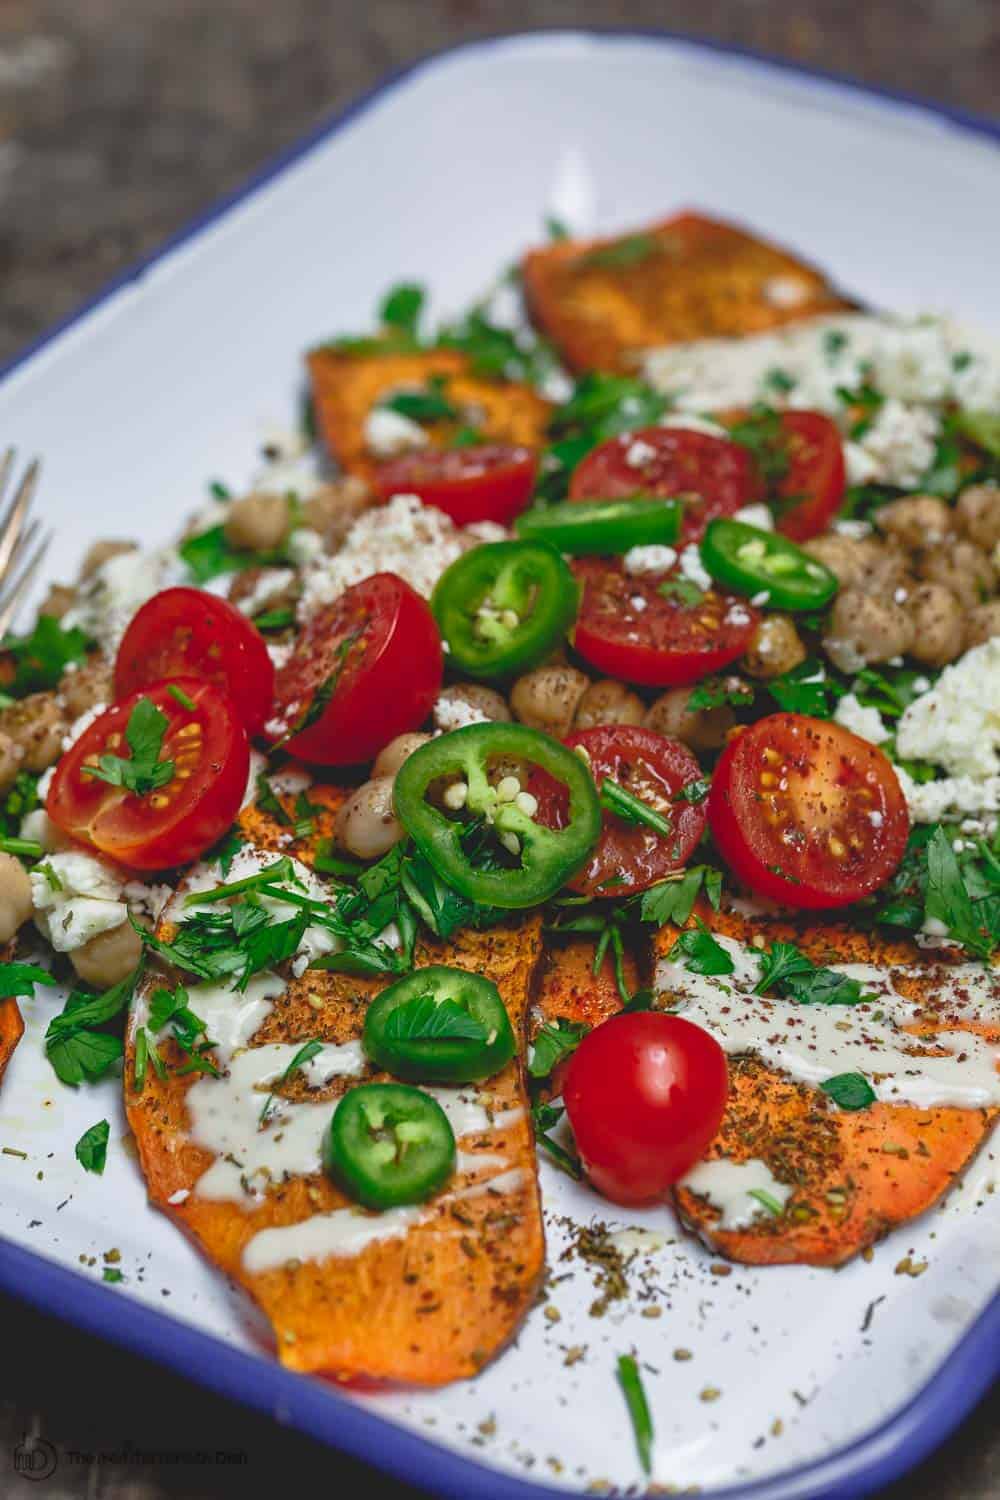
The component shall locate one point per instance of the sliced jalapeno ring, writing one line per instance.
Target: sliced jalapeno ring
(585, 527)
(502, 607)
(753, 561)
(537, 860)
(389, 1144)
(439, 1025)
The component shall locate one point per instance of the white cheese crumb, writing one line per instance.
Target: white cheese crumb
(75, 897)
(652, 559)
(107, 601)
(860, 719)
(639, 453)
(80, 726)
(455, 713)
(856, 530)
(692, 567)
(756, 515)
(388, 433)
(956, 724)
(693, 423)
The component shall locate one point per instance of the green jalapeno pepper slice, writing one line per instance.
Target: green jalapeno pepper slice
(502, 607)
(389, 1144)
(753, 561)
(439, 1025)
(591, 527)
(531, 862)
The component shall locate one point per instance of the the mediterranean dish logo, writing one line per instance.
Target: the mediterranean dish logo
(36, 1458)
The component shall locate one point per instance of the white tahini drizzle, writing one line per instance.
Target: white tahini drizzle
(815, 1042)
(728, 1186)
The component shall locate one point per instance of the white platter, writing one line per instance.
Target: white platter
(445, 175)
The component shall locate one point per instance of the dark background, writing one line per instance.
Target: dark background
(119, 120)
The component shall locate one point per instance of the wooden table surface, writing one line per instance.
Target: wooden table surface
(119, 120)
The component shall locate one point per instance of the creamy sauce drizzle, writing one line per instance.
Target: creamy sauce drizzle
(815, 1042)
(728, 1184)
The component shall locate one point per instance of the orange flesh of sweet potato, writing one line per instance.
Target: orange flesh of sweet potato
(602, 301)
(429, 1307)
(855, 1174)
(347, 386)
(11, 1031)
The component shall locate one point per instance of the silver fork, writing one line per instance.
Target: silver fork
(22, 549)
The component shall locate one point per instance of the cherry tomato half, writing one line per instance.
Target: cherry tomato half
(813, 486)
(630, 856)
(807, 813)
(188, 633)
(643, 630)
(484, 482)
(645, 1094)
(716, 477)
(366, 668)
(174, 823)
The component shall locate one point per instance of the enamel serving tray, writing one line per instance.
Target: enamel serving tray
(801, 1383)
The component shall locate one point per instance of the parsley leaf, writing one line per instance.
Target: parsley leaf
(209, 555)
(694, 792)
(144, 772)
(681, 589)
(20, 979)
(620, 255)
(762, 432)
(304, 1055)
(714, 692)
(402, 306)
(425, 1019)
(555, 1041)
(77, 1051)
(949, 902)
(19, 801)
(630, 1380)
(92, 1147)
(673, 900)
(793, 976)
(806, 689)
(427, 405)
(544, 1117)
(701, 953)
(41, 657)
(849, 1090)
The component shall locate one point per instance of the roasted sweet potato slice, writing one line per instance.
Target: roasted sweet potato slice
(602, 301)
(11, 1031)
(440, 1299)
(347, 386)
(568, 989)
(854, 1174)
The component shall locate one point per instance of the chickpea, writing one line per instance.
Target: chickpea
(848, 558)
(366, 825)
(775, 647)
(982, 624)
(101, 553)
(91, 683)
(11, 756)
(475, 695)
(333, 510)
(978, 514)
(36, 724)
(548, 698)
(40, 827)
(109, 957)
(698, 728)
(608, 702)
(257, 523)
(915, 521)
(864, 629)
(937, 624)
(962, 567)
(60, 598)
(15, 896)
(887, 571)
(392, 756)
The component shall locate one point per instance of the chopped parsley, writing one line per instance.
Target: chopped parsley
(555, 1041)
(41, 657)
(543, 1117)
(787, 972)
(304, 1055)
(630, 1380)
(76, 1046)
(423, 1019)
(631, 809)
(20, 979)
(673, 900)
(849, 1090)
(620, 255)
(92, 1147)
(430, 404)
(401, 308)
(701, 953)
(144, 772)
(681, 589)
(807, 689)
(715, 692)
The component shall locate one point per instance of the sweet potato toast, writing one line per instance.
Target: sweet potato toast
(601, 301)
(854, 1174)
(569, 990)
(11, 1031)
(347, 386)
(442, 1297)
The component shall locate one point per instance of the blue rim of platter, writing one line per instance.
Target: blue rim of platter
(313, 1406)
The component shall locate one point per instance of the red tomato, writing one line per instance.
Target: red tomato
(645, 1094)
(629, 857)
(366, 668)
(716, 477)
(627, 628)
(174, 823)
(484, 482)
(813, 487)
(188, 633)
(807, 813)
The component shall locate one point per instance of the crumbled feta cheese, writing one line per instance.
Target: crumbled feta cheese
(638, 603)
(304, 546)
(861, 719)
(692, 567)
(639, 453)
(82, 724)
(405, 537)
(861, 467)
(761, 598)
(901, 441)
(756, 515)
(691, 422)
(75, 897)
(387, 432)
(956, 724)
(856, 530)
(652, 559)
(107, 601)
(455, 713)
(269, 584)
(951, 799)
